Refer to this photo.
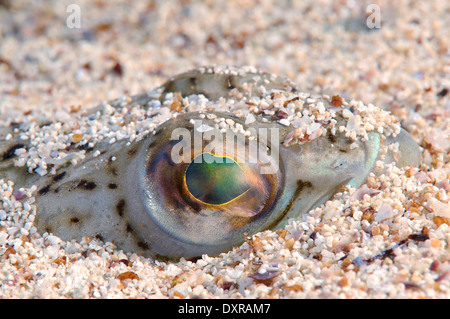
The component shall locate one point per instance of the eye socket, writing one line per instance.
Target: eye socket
(208, 190)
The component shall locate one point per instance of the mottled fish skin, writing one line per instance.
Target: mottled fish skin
(109, 197)
(214, 85)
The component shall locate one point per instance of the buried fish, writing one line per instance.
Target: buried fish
(194, 166)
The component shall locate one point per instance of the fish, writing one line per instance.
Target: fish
(196, 165)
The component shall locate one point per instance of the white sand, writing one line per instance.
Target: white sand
(393, 244)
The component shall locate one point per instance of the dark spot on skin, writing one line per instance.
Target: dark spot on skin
(152, 143)
(120, 207)
(85, 147)
(14, 124)
(59, 177)
(84, 184)
(74, 220)
(143, 245)
(193, 81)
(44, 190)
(300, 186)
(48, 229)
(165, 258)
(88, 185)
(158, 131)
(10, 152)
(343, 150)
(129, 228)
(162, 257)
(112, 186)
(331, 137)
(131, 152)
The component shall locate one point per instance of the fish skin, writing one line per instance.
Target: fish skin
(104, 198)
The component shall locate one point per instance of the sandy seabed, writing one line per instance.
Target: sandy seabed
(342, 249)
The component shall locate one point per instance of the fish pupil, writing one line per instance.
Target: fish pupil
(215, 180)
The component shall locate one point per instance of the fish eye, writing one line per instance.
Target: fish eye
(205, 192)
(215, 180)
